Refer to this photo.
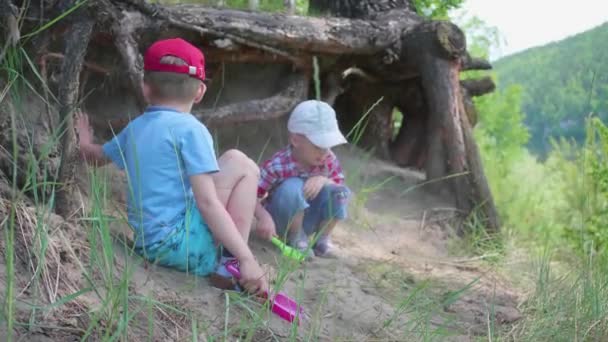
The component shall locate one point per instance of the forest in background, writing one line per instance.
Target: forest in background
(562, 83)
(544, 145)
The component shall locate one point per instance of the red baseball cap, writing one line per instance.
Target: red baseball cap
(179, 48)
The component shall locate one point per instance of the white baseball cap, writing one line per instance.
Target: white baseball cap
(317, 121)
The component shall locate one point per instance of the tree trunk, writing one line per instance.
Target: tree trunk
(481, 195)
(365, 111)
(410, 146)
(77, 41)
(450, 158)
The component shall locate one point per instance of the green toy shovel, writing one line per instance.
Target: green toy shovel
(288, 251)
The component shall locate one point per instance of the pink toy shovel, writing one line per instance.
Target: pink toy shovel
(281, 304)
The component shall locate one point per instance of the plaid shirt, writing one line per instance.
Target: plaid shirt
(282, 165)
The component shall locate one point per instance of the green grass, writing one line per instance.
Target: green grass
(478, 242)
(569, 305)
(554, 214)
(419, 303)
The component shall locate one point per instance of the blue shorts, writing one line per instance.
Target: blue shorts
(287, 199)
(189, 247)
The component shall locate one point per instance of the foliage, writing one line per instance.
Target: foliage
(563, 82)
(501, 129)
(573, 305)
(436, 9)
(501, 136)
(264, 5)
(588, 197)
(481, 37)
(560, 206)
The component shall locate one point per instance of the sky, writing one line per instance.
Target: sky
(527, 23)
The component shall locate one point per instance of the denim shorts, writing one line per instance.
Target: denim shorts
(287, 199)
(189, 247)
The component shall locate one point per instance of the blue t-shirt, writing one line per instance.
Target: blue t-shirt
(159, 150)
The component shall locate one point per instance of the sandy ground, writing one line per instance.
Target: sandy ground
(391, 280)
(394, 279)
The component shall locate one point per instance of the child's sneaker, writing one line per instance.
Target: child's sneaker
(300, 243)
(324, 248)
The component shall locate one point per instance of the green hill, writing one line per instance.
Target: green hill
(562, 83)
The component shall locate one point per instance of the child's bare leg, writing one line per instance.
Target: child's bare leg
(236, 186)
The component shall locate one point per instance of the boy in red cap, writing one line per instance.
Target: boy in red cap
(182, 201)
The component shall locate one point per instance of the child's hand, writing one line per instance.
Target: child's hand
(83, 128)
(265, 227)
(313, 186)
(253, 277)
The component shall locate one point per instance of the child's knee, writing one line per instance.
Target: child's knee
(290, 193)
(239, 161)
(336, 198)
(286, 202)
(339, 194)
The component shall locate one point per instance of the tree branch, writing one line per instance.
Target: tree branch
(277, 33)
(479, 86)
(473, 63)
(272, 107)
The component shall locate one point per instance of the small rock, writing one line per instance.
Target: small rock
(507, 314)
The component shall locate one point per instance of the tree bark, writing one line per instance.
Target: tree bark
(440, 82)
(472, 63)
(278, 33)
(264, 109)
(436, 49)
(478, 86)
(77, 41)
(370, 118)
(410, 146)
(481, 195)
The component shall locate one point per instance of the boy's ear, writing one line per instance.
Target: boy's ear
(200, 92)
(146, 91)
(294, 139)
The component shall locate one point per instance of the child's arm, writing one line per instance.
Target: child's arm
(91, 152)
(224, 231)
(265, 227)
(313, 185)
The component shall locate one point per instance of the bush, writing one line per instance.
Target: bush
(586, 218)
